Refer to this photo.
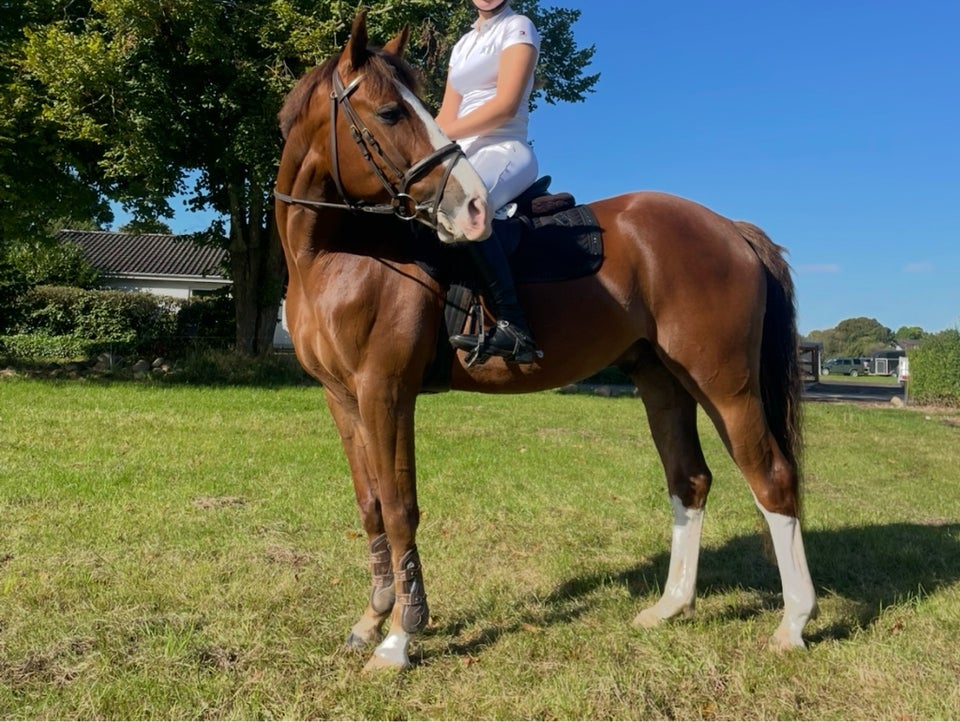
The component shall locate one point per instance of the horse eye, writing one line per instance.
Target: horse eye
(390, 113)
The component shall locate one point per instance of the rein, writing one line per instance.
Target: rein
(401, 204)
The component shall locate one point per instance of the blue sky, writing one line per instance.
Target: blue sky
(831, 124)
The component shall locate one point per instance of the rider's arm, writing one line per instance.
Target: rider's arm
(449, 107)
(516, 66)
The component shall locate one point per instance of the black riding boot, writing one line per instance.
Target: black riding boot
(510, 337)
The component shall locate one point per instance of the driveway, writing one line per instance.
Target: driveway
(840, 391)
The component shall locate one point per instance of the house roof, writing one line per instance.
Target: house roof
(146, 254)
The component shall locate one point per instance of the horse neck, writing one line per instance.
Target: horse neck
(332, 242)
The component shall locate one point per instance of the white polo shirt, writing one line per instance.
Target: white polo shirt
(474, 64)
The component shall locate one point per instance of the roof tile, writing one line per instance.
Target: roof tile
(147, 253)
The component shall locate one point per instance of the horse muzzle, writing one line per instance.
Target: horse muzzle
(470, 220)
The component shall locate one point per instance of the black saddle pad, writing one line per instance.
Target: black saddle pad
(558, 247)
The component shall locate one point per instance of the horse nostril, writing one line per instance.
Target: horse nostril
(477, 212)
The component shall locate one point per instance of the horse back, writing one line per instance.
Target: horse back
(675, 274)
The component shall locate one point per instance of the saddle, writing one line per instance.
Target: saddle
(549, 238)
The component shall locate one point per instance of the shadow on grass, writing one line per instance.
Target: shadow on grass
(870, 567)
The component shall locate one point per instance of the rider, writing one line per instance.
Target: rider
(485, 108)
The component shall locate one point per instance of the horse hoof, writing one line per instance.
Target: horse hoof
(648, 619)
(784, 641)
(356, 643)
(654, 616)
(380, 663)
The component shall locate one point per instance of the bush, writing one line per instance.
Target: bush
(206, 322)
(52, 263)
(43, 346)
(935, 369)
(62, 322)
(126, 322)
(12, 287)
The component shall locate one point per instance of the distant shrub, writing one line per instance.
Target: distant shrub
(122, 322)
(935, 369)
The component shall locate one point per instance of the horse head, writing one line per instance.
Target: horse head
(357, 136)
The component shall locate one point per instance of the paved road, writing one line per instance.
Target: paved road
(839, 391)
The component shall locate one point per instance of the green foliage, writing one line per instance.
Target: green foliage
(49, 262)
(205, 322)
(12, 286)
(854, 337)
(935, 369)
(67, 322)
(129, 322)
(145, 225)
(43, 174)
(560, 71)
(910, 333)
(43, 346)
(228, 368)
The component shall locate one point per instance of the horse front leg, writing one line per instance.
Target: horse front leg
(389, 426)
(368, 629)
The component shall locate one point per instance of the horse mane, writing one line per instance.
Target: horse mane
(380, 70)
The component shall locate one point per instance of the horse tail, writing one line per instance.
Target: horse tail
(781, 381)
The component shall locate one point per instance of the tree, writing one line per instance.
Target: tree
(146, 94)
(910, 333)
(854, 337)
(40, 262)
(42, 176)
(145, 225)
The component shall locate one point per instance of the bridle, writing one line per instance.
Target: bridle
(401, 204)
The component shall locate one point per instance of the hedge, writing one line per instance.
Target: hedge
(935, 369)
(66, 322)
(38, 345)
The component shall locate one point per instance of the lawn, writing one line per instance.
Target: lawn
(192, 552)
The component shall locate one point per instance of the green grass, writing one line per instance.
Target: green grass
(184, 552)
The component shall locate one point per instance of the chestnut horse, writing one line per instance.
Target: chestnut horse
(696, 308)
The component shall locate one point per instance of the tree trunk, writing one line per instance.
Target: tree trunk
(256, 264)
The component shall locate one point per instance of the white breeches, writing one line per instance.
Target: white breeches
(507, 168)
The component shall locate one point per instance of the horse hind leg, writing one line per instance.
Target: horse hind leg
(672, 416)
(774, 482)
(799, 597)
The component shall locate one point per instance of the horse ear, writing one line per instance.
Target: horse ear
(356, 48)
(399, 43)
